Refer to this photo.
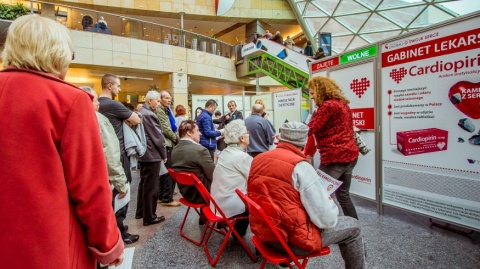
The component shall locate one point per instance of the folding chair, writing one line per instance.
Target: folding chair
(187, 179)
(213, 219)
(268, 253)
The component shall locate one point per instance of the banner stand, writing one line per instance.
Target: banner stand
(427, 122)
(447, 227)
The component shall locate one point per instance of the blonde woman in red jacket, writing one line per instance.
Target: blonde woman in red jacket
(331, 129)
(56, 204)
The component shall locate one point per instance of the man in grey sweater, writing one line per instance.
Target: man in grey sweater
(261, 131)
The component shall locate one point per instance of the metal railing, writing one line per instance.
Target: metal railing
(77, 18)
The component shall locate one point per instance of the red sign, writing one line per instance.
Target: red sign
(325, 64)
(363, 118)
(446, 45)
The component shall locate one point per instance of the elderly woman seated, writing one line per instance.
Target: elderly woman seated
(231, 172)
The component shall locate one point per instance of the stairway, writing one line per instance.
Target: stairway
(268, 58)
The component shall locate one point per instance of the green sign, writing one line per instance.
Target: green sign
(358, 55)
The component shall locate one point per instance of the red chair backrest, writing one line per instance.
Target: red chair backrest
(258, 212)
(183, 178)
(186, 178)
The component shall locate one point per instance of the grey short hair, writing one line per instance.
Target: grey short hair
(88, 89)
(152, 95)
(234, 130)
(38, 43)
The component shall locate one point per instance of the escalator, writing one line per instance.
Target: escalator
(268, 58)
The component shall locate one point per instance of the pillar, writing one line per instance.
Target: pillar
(255, 26)
(48, 11)
(182, 34)
(179, 90)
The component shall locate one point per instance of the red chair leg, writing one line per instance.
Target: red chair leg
(244, 245)
(264, 262)
(304, 262)
(214, 261)
(202, 236)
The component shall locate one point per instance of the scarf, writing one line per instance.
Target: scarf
(172, 120)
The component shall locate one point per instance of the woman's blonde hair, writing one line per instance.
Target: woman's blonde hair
(325, 88)
(38, 43)
(260, 101)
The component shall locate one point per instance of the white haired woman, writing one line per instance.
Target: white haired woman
(231, 172)
(56, 199)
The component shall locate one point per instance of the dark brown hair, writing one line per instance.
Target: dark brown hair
(108, 78)
(185, 127)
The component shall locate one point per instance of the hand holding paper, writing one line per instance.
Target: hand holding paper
(330, 184)
(121, 202)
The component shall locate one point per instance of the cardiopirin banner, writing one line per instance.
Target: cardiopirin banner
(431, 122)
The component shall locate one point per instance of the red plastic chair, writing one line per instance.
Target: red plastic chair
(186, 179)
(213, 220)
(271, 255)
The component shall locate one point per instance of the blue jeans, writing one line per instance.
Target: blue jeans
(342, 172)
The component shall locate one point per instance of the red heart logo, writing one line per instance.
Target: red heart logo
(360, 86)
(465, 96)
(398, 75)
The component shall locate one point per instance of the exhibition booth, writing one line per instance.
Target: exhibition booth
(416, 98)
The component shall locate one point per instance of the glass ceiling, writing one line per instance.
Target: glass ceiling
(356, 23)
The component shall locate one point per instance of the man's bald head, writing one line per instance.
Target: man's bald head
(257, 109)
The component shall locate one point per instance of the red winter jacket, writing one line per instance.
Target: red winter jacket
(332, 127)
(56, 202)
(270, 186)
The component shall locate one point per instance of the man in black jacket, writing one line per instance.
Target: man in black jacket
(151, 162)
(234, 114)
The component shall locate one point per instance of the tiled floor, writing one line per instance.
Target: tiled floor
(398, 239)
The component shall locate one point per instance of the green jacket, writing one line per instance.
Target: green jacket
(111, 148)
(170, 136)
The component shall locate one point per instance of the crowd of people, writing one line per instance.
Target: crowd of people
(289, 43)
(79, 162)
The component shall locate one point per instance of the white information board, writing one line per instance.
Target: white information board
(287, 106)
(358, 84)
(199, 101)
(267, 99)
(430, 128)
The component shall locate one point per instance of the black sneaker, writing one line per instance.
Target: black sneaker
(130, 238)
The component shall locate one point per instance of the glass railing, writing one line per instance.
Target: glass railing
(84, 19)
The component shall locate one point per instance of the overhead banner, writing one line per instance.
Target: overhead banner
(199, 101)
(325, 42)
(431, 125)
(293, 58)
(358, 84)
(287, 106)
(322, 65)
